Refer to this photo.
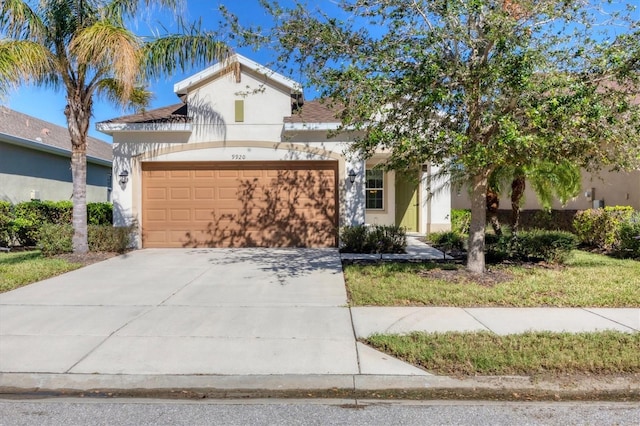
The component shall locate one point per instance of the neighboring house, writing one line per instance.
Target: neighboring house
(35, 161)
(598, 190)
(244, 161)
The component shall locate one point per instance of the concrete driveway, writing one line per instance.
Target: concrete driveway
(185, 311)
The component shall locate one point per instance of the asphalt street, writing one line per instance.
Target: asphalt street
(311, 412)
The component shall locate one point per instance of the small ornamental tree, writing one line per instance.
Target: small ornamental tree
(469, 85)
(85, 48)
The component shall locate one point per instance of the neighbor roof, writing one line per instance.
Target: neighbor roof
(40, 134)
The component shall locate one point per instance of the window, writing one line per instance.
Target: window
(375, 189)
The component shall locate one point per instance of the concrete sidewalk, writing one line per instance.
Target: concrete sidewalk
(235, 319)
(402, 320)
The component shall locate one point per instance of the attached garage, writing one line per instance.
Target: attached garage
(239, 204)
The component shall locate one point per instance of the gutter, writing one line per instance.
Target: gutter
(110, 128)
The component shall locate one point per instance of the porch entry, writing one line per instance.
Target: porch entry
(407, 202)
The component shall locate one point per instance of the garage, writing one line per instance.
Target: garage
(239, 204)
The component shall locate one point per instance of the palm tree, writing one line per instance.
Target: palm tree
(85, 48)
(548, 180)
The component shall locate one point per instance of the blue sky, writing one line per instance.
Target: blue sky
(49, 105)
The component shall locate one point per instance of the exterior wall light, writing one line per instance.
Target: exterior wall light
(124, 177)
(352, 176)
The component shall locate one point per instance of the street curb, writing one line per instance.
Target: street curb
(316, 386)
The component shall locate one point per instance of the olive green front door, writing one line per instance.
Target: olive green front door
(406, 203)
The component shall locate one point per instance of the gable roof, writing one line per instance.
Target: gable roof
(182, 87)
(25, 130)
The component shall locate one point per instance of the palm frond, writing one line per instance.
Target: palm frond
(24, 61)
(119, 10)
(106, 46)
(561, 180)
(112, 90)
(19, 21)
(173, 52)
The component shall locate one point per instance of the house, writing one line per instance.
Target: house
(604, 188)
(35, 161)
(243, 160)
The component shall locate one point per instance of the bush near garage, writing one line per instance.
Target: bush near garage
(56, 238)
(21, 224)
(373, 239)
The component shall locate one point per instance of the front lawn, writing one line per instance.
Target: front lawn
(529, 354)
(25, 267)
(587, 280)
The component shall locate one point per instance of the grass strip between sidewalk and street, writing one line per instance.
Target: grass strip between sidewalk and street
(528, 354)
(25, 267)
(586, 280)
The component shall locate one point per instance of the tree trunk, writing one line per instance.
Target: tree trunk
(78, 122)
(475, 259)
(493, 204)
(518, 185)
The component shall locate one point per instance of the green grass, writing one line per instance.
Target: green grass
(587, 280)
(21, 268)
(529, 354)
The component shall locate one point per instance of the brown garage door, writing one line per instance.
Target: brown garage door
(248, 204)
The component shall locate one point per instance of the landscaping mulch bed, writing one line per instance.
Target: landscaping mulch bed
(87, 258)
(462, 276)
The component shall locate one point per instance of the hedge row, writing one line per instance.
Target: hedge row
(20, 224)
(56, 238)
(533, 245)
(615, 229)
(373, 239)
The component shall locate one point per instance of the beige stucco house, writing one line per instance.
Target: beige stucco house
(243, 160)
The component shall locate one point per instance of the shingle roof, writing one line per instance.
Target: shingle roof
(24, 126)
(170, 114)
(314, 112)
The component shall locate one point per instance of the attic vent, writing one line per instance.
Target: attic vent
(239, 111)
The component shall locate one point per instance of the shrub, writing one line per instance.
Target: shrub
(353, 239)
(629, 237)
(55, 238)
(6, 216)
(100, 213)
(109, 238)
(460, 221)
(373, 239)
(447, 241)
(551, 246)
(59, 212)
(600, 227)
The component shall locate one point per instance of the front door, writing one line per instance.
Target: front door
(406, 202)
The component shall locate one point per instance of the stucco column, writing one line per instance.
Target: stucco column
(353, 204)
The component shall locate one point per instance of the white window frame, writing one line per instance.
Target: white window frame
(381, 189)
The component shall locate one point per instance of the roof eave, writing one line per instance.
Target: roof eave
(310, 126)
(39, 146)
(111, 128)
